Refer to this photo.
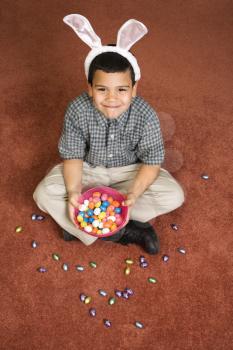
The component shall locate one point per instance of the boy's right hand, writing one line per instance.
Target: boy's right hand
(73, 203)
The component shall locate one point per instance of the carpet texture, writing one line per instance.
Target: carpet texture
(186, 64)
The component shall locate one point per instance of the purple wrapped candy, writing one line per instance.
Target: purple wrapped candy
(42, 269)
(165, 258)
(142, 259)
(118, 293)
(39, 217)
(129, 291)
(82, 297)
(144, 264)
(125, 295)
(34, 217)
(92, 312)
(174, 227)
(107, 323)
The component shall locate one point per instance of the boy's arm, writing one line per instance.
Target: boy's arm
(146, 175)
(72, 172)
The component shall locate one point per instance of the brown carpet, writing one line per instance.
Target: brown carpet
(186, 62)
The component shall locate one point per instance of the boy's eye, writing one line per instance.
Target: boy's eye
(122, 90)
(101, 89)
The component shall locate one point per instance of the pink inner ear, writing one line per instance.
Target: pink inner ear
(84, 30)
(130, 33)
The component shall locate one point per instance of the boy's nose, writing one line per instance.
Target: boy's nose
(111, 95)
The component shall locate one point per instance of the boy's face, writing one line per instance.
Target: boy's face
(112, 93)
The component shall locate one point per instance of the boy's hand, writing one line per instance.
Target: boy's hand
(129, 201)
(73, 203)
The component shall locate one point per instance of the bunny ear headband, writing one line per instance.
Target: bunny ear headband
(129, 33)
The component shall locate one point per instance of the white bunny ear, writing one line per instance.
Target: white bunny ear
(83, 29)
(129, 33)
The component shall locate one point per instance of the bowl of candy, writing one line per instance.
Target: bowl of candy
(100, 212)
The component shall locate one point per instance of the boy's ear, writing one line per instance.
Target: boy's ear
(89, 87)
(134, 92)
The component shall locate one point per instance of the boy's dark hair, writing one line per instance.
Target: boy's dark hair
(110, 62)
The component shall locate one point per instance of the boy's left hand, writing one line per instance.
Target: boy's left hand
(129, 201)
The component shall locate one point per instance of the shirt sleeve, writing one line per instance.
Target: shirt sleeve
(72, 144)
(151, 147)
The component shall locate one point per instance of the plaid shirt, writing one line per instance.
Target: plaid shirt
(133, 137)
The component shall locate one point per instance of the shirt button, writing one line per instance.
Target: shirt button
(110, 155)
(112, 136)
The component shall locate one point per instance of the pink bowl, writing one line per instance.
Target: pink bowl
(110, 192)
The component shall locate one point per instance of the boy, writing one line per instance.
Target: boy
(111, 137)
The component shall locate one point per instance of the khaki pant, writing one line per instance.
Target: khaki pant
(163, 196)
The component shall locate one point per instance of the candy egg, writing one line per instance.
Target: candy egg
(91, 205)
(42, 269)
(92, 264)
(82, 207)
(18, 229)
(174, 227)
(111, 301)
(127, 270)
(105, 203)
(181, 250)
(205, 176)
(107, 323)
(110, 199)
(87, 300)
(86, 202)
(96, 194)
(83, 224)
(102, 292)
(40, 217)
(113, 227)
(105, 230)
(118, 210)
(92, 312)
(65, 267)
(102, 215)
(104, 197)
(101, 225)
(118, 293)
(152, 280)
(139, 324)
(129, 261)
(97, 211)
(142, 259)
(55, 257)
(80, 268)
(96, 223)
(98, 204)
(112, 218)
(165, 258)
(90, 212)
(88, 228)
(80, 218)
(82, 297)
(116, 203)
(103, 208)
(144, 264)
(96, 200)
(129, 291)
(34, 244)
(119, 221)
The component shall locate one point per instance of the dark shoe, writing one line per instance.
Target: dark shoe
(142, 234)
(116, 237)
(67, 236)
